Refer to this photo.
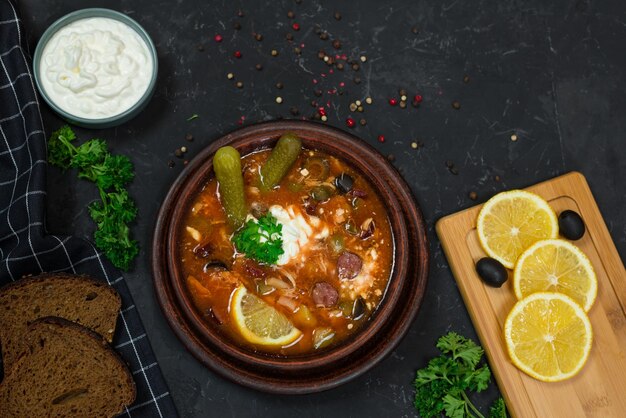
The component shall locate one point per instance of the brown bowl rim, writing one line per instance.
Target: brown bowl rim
(307, 373)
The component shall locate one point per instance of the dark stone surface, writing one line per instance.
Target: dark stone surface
(552, 73)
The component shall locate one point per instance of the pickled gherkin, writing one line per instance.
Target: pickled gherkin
(280, 160)
(227, 167)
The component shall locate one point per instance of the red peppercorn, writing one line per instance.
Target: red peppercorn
(218, 38)
(237, 54)
(393, 102)
(322, 111)
(350, 122)
(381, 138)
(295, 27)
(418, 98)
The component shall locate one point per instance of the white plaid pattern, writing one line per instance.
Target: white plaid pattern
(26, 248)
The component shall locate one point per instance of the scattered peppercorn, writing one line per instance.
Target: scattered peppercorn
(418, 98)
(239, 84)
(183, 149)
(456, 105)
(466, 79)
(357, 80)
(360, 109)
(295, 27)
(289, 36)
(381, 138)
(363, 58)
(294, 111)
(452, 168)
(415, 30)
(391, 157)
(513, 137)
(230, 76)
(318, 92)
(171, 163)
(321, 55)
(291, 14)
(297, 50)
(355, 67)
(340, 66)
(189, 137)
(403, 104)
(218, 38)
(237, 26)
(368, 100)
(337, 44)
(237, 54)
(393, 102)
(324, 36)
(279, 85)
(178, 153)
(496, 178)
(337, 16)
(258, 37)
(352, 107)
(279, 100)
(258, 67)
(473, 195)
(363, 122)
(402, 92)
(324, 118)
(274, 53)
(350, 122)
(329, 61)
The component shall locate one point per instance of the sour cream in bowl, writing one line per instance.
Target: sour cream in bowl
(96, 67)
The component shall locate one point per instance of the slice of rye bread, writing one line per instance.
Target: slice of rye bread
(67, 370)
(80, 299)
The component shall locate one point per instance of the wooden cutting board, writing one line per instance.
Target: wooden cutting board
(599, 390)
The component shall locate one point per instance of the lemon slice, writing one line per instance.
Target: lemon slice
(556, 265)
(548, 336)
(512, 221)
(258, 322)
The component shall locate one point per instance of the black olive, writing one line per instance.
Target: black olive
(491, 271)
(571, 225)
(344, 183)
(214, 265)
(358, 309)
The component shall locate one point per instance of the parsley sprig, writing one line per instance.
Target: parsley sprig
(261, 239)
(441, 387)
(110, 173)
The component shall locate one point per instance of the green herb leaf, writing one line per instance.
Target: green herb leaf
(110, 173)
(441, 386)
(192, 117)
(60, 148)
(454, 407)
(261, 239)
(498, 409)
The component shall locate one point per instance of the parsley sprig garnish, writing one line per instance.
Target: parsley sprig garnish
(261, 239)
(110, 173)
(442, 386)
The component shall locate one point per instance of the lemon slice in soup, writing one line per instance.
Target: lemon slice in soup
(258, 322)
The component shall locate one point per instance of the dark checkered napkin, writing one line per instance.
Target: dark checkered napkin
(26, 248)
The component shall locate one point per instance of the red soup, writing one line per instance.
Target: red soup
(331, 256)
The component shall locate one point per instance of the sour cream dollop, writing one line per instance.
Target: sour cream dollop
(96, 68)
(296, 231)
